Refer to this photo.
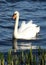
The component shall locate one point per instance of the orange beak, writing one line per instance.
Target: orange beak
(14, 16)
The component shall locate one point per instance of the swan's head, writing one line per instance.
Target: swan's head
(15, 15)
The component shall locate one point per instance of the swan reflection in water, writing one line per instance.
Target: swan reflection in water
(18, 46)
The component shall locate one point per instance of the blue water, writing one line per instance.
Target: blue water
(29, 10)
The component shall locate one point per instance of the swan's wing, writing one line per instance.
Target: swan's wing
(30, 23)
(23, 25)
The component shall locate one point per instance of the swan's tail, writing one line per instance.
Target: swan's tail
(38, 29)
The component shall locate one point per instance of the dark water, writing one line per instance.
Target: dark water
(29, 10)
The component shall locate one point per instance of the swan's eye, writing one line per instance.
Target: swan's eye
(14, 14)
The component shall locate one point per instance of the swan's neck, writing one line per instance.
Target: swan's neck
(16, 26)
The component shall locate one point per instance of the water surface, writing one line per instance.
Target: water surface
(29, 10)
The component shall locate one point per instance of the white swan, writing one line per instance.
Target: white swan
(26, 31)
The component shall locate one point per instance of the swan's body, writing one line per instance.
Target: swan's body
(26, 31)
